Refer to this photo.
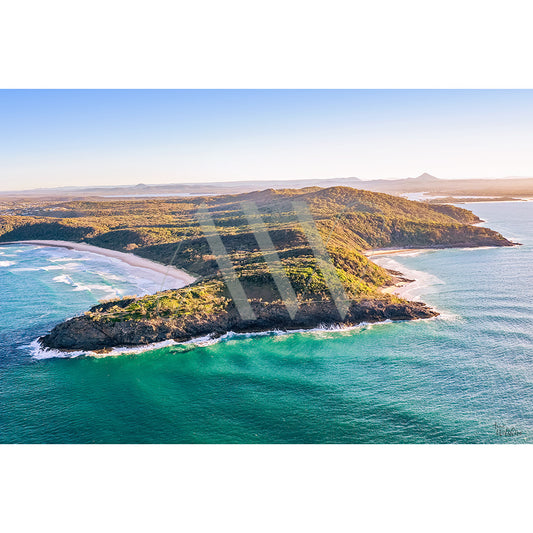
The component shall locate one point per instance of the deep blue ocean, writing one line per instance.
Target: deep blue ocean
(464, 377)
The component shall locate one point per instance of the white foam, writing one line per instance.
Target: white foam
(418, 288)
(146, 280)
(7, 263)
(63, 278)
(322, 331)
(39, 352)
(447, 316)
(68, 259)
(415, 289)
(411, 254)
(91, 287)
(67, 265)
(37, 269)
(475, 249)
(110, 277)
(128, 350)
(52, 267)
(111, 291)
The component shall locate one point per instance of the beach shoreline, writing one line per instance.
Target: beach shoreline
(376, 252)
(130, 259)
(398, 287)
(395, 251)
(401, 283)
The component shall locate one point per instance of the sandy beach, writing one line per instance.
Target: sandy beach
(393, 251)
(402, 284)
(396, 288)
(169, 272)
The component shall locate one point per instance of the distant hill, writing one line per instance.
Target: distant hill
(494, 187)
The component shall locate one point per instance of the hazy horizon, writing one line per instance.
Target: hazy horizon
(93, 138)
(259, 180)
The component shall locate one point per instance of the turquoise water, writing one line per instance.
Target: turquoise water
(446, 380)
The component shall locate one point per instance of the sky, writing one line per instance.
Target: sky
(51, 138)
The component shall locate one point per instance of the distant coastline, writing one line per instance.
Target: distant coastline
(133, 260)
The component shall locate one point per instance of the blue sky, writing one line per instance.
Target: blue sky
(108, 137)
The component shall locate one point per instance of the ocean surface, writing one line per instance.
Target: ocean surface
(464, 377)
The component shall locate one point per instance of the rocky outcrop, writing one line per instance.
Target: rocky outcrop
(89, 332)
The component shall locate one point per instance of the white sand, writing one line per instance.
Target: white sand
(130, 259)
(392, 251)
(400, 287)
(397, 288)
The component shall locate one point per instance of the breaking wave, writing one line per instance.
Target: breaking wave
(40, 352)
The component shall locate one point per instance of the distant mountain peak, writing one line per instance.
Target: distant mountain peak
(426, 177)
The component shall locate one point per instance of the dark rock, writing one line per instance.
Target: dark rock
(86, 333)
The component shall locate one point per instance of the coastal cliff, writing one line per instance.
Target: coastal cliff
(96, 331)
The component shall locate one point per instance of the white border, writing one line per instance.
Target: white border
(266, 488)
(208, 44)
(280, 43)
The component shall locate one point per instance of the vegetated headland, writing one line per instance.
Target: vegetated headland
(166, 230)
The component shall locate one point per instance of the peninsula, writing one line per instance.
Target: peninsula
(349, 221)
